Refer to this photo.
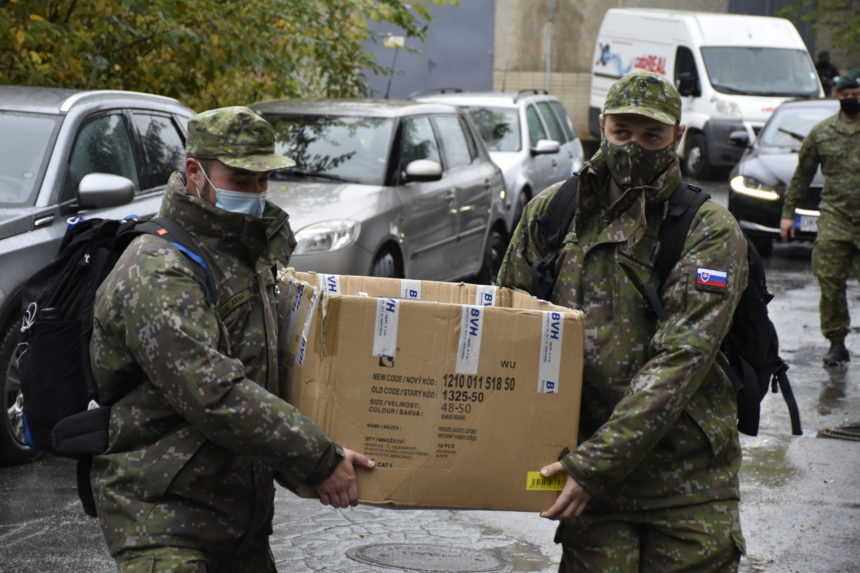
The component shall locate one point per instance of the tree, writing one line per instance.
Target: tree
(205, 53)
(840, 17)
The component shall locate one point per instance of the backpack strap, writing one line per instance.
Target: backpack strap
(683, 205)
(554, 223)
(176, 235)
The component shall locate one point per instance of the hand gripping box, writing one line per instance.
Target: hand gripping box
(460, 392)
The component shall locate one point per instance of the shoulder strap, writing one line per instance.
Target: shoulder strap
(683, 205)
(176, 235)
(554, 223)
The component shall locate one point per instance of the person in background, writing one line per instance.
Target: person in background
(834, 145)
(827, 72)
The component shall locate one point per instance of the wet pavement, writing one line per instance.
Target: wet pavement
(800, 495)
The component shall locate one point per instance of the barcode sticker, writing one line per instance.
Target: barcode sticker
(536, 482)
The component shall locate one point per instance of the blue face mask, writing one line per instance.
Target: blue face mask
(240, 202)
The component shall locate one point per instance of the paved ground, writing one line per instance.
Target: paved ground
(800, 508)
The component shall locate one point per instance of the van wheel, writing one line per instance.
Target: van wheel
(696, 163)
(13, 449)
(494, 252)
(385, 265)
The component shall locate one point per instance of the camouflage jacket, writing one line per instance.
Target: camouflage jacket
(833, 144)
(195, 434)
(658, 425)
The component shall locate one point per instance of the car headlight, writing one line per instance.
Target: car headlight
(753, 188)
(326, 236)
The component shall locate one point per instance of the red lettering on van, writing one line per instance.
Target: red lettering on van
(655, 64)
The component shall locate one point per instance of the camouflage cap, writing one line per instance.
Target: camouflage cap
(848, 80)
(644, 93)
(237, 137)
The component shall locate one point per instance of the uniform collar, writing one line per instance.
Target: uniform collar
(242, 235)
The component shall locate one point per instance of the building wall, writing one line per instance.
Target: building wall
(458, 52)
(549, 44)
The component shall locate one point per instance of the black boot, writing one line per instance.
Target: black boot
(837, 353)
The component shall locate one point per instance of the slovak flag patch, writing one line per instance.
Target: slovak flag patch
(716, 280)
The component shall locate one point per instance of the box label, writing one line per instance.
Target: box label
(550, 352)
(330, 284)
(536, 482)
(410, 289)
(469, 346)
(485, 295)
(385, 327)
(306, 329)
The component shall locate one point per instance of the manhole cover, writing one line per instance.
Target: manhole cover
(428, 558)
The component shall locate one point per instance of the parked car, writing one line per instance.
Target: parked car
(528, 134)
(387, 188)
(70, 153)
(759, 181)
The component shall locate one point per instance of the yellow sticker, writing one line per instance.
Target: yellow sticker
(536, 482)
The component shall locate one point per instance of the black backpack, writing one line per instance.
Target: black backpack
(62, 411)
(751, 345)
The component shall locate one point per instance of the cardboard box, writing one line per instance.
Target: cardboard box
(460, 392)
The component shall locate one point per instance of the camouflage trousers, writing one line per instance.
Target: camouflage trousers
(703, 538)
(833, 262)
(256, 559)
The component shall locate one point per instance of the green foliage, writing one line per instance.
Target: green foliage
(206, 53)
(841, 17)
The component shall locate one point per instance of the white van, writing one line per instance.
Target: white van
(732, 72)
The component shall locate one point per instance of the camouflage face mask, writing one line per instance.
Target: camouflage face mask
(633, 166)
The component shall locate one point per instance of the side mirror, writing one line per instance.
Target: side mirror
(545, 146)
(688, 84)
(101, 190)
(740, 138)
(422, 170)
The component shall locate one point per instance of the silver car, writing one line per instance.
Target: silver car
(68, 153)
(528, 134)
(387, 188)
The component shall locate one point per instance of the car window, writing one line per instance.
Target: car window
(102, 146)
(536, 130)
(454, 143)
(417, 141)
(469, 131)
(564, 119)
(163, 148)
(24, 150)
(555, 130)
(790, 125)
(499, 127)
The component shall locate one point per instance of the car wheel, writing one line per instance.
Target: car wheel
(763, 245)
(494, 252)
(13, 449)
(696, 157)
(385, 265)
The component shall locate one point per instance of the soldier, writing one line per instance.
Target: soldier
(196, 435)
(834, 144)
(827, 72)
(653, 483)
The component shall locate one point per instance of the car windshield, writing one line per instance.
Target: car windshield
(761, 71)
(330, 147)
(24, 150)
(499, 127)
(790, 124)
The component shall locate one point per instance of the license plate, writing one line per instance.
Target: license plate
(806, 223)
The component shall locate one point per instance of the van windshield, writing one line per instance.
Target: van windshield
(761, 71)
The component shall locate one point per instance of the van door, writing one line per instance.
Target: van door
(687, 77)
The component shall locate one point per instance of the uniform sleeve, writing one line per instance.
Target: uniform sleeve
(683, 350)
(173, 335)
(807, 165)
(525, 246)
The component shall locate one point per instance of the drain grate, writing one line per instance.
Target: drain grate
(427, 558)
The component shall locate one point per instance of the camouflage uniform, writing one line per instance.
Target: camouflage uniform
(659, 449)
(834, 144)
(195, 433)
